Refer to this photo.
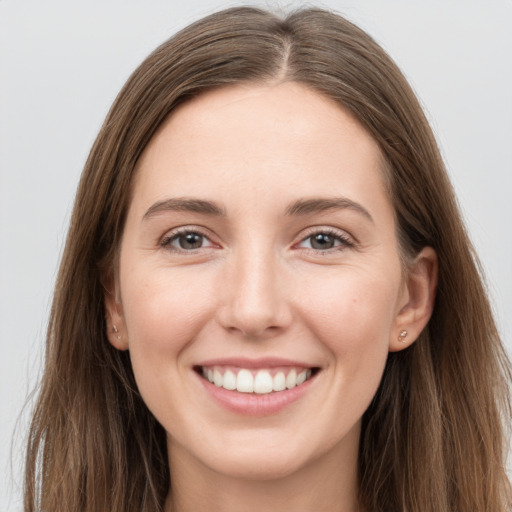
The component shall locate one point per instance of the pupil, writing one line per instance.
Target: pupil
(191, 241)
(322, 241)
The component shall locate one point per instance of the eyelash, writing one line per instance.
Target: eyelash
(176, 234)
(338, 236)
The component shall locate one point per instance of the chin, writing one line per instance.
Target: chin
(260, 456)
(263, 466)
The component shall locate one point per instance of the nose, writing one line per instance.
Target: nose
(255, 299)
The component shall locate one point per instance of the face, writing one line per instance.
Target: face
(259, 253)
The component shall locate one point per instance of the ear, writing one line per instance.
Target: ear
(416, 301)
(116, 327)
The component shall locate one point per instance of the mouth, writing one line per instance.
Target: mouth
(257, 381)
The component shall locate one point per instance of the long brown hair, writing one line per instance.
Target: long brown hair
(433, 439)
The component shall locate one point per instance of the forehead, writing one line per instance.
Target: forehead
(257, 138)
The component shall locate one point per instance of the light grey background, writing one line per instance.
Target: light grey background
(62, 63)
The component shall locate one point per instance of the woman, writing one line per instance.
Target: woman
(267, 297)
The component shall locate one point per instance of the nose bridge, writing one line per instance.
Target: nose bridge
(256, 301)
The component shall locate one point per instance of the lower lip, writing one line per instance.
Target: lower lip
(253, 404)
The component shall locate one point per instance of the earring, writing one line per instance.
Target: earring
(116, 331)
(402, 336)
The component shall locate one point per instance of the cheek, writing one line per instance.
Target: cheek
(164, 311)
(353, 318)
(350, 315)
(354, 307)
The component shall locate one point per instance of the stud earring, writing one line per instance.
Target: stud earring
(402, 336)
(116, 331)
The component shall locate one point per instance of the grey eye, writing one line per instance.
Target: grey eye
(322, 241)
(325, 240)
(188, 241)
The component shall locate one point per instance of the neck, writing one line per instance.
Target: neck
(327, 484)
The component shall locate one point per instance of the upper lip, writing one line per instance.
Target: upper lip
(263, 362)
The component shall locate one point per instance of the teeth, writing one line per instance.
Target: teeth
(217, 378)
(244, 381)
(261, 382)
(279, 382)
(229, 380)
(301, 377)
(291, 379)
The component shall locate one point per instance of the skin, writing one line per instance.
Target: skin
(257, 287)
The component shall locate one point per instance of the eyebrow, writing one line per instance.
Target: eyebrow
(297, 208)
(184, 204)
(321, 204)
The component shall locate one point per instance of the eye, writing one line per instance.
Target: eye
(325, 240)
(186, 240)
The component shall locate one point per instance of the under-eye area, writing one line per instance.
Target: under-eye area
(258, 381)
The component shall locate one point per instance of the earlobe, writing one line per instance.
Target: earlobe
(116, 329)
(419, 297)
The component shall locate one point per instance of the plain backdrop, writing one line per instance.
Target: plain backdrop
(62, 64)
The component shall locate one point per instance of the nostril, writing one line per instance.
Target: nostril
(256, 309)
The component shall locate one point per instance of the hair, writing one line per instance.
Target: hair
(434, 437)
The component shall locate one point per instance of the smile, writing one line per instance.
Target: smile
(260, 381)
(256, 387)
